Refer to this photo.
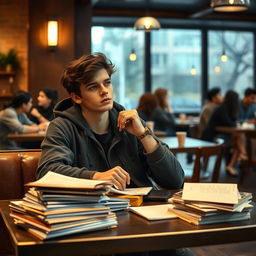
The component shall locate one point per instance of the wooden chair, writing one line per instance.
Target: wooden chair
(202, 156)
(250, 163)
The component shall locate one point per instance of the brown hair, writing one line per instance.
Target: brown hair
(82, 71)
(147, 104)
(160, 94)
(231, 104)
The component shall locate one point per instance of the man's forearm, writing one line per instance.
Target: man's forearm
(149, 143)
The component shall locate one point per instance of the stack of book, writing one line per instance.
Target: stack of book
(207, 203)
(58, 205)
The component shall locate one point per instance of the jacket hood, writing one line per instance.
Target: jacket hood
(72, 111)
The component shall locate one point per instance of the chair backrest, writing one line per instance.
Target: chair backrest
(16, 169)
(202, 155)
(250, 137)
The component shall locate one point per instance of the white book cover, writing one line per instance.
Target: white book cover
(154, 212)
(226, 193)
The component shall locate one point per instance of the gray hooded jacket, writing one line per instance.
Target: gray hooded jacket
(70, 148)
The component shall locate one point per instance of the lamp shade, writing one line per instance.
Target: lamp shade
(147, 24)
(52, 33)
(230, 5)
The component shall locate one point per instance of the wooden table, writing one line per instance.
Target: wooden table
(133, 234)
(27, 137)
(228, 129)
(190, 144)
(188, 123)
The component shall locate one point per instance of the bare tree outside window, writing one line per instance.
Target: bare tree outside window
(236, 72)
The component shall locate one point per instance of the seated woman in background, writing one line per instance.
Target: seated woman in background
(163, 117)
(13, 119)
(43, 112)
(147, 106)
(226, 114)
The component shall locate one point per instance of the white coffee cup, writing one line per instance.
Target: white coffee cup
(181, 136)
(182, 117)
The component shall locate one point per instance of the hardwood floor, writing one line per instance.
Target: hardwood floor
(235, 249)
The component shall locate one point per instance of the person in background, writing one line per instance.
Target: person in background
(13, 119)
(163, 116)
(146, 107)
(247, 106)
(226, 114)
(214, 98)
(43, 112)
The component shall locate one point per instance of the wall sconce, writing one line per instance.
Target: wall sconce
(52, 34)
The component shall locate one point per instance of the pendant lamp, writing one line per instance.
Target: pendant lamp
(147, 24)
(230, 5)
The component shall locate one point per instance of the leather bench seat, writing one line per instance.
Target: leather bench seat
(16, 169)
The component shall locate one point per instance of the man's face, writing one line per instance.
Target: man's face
(250, 99)
(217, 98)
(27, 106)
(97, 96)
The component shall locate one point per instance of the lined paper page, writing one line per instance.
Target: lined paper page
(211, 192)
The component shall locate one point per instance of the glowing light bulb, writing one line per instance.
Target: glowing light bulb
(193, 71)
(217, 69)
(147, 24)
(52, 33)
(224, 57)
(132, 56)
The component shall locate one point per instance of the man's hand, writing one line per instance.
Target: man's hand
(117, 175)
(130, 121)
(43, 126)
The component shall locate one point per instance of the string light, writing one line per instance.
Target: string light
(193, 71)
(132, 56)
(217, 69)
(224, 56)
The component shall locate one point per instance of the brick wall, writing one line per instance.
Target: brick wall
(14, 34)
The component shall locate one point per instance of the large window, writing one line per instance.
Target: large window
(117, 44)
(230, 60)
(176, 66)
(176, 56)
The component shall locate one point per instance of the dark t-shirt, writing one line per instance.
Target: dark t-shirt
(105, 140)
(45, 112)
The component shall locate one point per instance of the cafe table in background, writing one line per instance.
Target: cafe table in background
(27, 137)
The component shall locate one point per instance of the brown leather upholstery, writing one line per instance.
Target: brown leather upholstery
(16, 169)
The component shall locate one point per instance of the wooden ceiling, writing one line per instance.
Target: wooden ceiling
(175, 9)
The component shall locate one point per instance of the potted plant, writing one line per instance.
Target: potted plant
(11, 61)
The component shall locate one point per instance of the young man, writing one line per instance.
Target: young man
(93, 137)
(214, 98)
(247, 106)
(13, 119)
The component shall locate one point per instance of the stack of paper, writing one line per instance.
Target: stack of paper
(58, 205)
(207, 203)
